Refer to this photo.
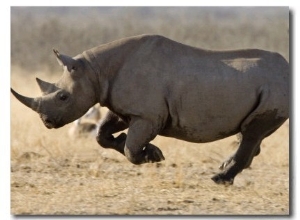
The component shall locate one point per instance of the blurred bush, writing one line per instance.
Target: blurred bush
(35, 31)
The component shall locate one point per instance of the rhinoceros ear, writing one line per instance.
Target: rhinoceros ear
(65, 60)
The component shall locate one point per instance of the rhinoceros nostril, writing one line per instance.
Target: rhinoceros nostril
(48, 121)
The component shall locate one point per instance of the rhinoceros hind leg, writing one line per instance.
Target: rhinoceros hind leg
(266, 118)
(226, 163)
(222, 179)
(250, 161)
(253, 134)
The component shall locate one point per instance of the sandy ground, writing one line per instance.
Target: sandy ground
(54, 174)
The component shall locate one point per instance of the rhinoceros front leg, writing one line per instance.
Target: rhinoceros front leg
(137, 149)
(110, 125)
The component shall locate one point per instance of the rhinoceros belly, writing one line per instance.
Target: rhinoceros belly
(201, 133)
(202, 119)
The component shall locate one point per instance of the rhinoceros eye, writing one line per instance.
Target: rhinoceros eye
(74, 67)
(63, 97)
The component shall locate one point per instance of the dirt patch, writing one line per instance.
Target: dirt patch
(52, 174)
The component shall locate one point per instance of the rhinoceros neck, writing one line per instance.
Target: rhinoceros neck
(98, 80)
(90, 57)
(107, 60)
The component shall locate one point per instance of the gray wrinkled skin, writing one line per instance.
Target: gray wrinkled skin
(155, 86)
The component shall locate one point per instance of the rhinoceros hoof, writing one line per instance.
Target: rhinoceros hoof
(222, 179)
(153, 154)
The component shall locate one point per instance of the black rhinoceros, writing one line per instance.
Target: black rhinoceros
(156, 86)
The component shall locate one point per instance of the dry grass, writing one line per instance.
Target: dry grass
(72, 30)
(53, 174)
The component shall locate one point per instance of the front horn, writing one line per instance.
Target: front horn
(32, 103)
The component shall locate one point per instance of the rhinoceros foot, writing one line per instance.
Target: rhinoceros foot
(153, 154)
(222, 179)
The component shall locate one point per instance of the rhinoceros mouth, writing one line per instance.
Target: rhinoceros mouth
(50, 123)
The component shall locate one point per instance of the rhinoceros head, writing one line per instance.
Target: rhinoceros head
(66, 100)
